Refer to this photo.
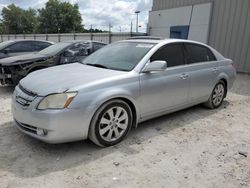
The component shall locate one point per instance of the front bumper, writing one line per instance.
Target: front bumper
(5, 75)
(60, 126)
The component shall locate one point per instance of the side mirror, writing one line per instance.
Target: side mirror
(68, 53)
(155, 66)
(6, 50)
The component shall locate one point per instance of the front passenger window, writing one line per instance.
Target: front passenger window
(80, 49)
(171, 53)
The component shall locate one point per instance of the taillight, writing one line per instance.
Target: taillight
(234, 66)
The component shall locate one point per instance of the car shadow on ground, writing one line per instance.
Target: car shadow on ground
(242, 85)
(6, 90)
(26, 157)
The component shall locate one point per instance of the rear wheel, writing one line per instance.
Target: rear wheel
(217, 96)
(111, 123)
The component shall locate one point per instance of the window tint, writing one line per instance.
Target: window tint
(26, 46)
(41, 45)
(171, 53)
(197, 53)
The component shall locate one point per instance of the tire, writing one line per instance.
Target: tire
(111, 123)
(218, 95)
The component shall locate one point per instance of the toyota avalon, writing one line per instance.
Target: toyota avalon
(119, 86)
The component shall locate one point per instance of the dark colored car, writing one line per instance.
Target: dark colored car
(19, 47)
(13, 69)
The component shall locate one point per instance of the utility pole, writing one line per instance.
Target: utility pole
(91, 30)
(110, 35)
(110, 26)
(91, 27)
(137, 19)
(131, 29)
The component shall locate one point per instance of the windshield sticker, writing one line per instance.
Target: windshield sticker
(144, 46)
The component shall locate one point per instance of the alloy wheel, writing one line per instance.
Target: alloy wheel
(113, 124)
(218, 94)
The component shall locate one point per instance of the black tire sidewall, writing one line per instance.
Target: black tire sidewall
(104, 110)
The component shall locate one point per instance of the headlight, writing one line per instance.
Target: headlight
(57, 101)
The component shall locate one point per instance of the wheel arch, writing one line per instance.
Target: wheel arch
(225, 79)
(128, 100)
(35, 68)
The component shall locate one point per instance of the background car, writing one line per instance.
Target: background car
(18, 47)
(119, 86)
(12, 69)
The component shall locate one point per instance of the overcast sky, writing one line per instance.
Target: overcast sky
(100, 13)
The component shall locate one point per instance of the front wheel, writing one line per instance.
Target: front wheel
(217, 96)
(111, 123)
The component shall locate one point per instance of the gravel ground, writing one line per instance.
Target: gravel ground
(196, 147)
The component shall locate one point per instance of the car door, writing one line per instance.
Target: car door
(165, 90)
(203, 71)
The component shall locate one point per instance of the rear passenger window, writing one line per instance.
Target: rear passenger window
(197, 53)
(171, 53)
(41, 45)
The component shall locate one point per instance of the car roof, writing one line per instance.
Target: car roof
(165, 41)
(22, 40)
(87, 41)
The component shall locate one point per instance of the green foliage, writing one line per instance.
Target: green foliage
(56, 17)
(2, 28)
(60, 17)
(17, 20)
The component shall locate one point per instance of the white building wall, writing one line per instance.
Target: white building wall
(198, 17)
(200, 22)
(160, 21)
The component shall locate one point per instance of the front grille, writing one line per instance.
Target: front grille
(23, 96)
(26, 127)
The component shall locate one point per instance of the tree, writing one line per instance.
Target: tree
(59, 17)
(17, 20)
(2, 28)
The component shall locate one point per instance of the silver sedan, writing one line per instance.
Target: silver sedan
(119, 86)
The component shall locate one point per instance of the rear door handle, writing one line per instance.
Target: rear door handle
(184, 76)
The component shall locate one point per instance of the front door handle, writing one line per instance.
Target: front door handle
(215, 70)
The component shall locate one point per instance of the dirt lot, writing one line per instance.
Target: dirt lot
(196, 147)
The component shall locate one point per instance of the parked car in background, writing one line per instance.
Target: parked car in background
(119, 86)
(12, 69)
(18, 47)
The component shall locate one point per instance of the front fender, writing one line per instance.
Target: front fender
(99, 97)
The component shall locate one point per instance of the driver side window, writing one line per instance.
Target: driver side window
(173, 54)
(79, 49)
(25, 46)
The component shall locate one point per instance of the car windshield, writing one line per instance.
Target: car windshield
(4, 44)
(55, 48)
(119, 56)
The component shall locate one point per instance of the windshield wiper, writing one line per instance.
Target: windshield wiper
(97, 65)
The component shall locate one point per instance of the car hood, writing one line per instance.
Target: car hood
(22, 59)
(61, 78)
